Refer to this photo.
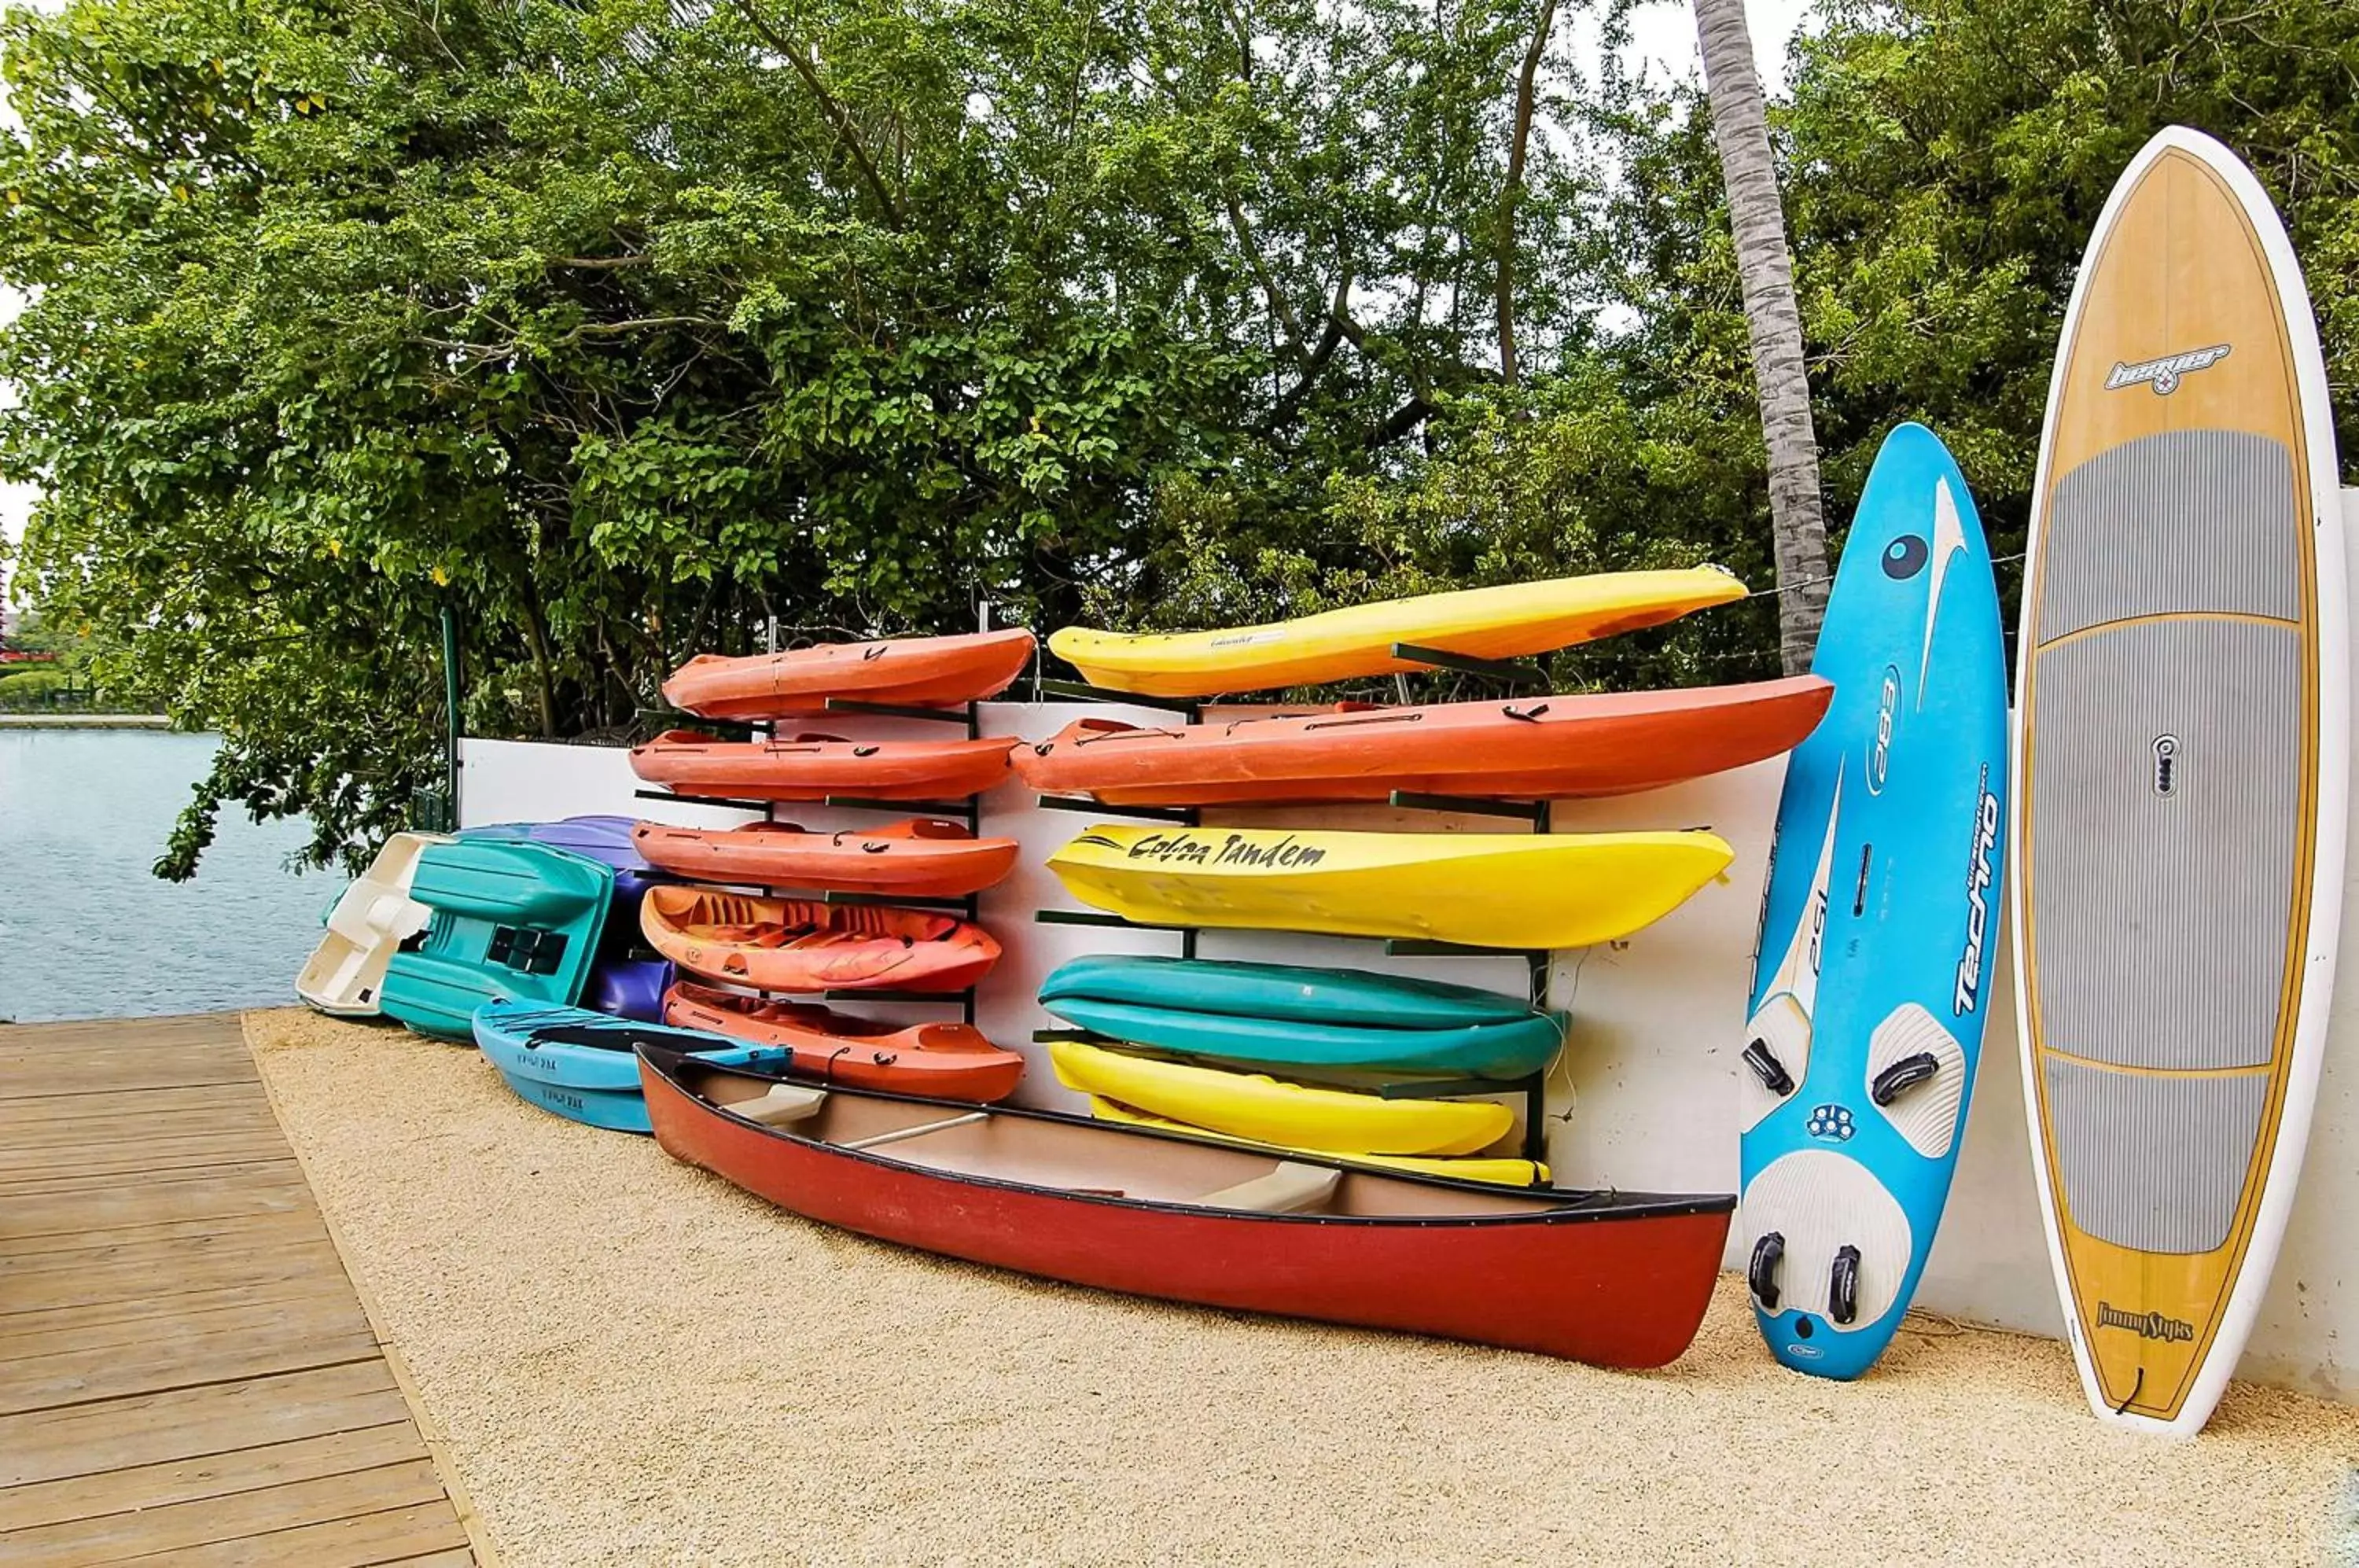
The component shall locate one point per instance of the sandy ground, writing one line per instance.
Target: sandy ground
(631, 1362)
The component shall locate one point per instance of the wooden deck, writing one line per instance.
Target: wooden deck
(186, 1374)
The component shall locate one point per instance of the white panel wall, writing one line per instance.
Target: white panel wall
(1645, 1096)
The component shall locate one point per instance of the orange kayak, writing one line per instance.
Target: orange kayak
(917, 672)
(797, 944)
(813, 766)
(948, 1061)
(1542, 748)
(923, 857)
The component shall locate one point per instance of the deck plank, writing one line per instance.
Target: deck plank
(215, 1474)
(229, 1517)
(186, 1373)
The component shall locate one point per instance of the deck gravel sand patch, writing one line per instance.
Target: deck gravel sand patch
(632, 1362)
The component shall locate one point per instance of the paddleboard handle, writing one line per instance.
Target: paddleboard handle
(1761, 1274)
(1843, 1288)
(1902, 1076)
(1768, 1069)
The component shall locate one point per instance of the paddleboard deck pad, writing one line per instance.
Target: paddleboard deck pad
(2183, 778)
(1880, 924)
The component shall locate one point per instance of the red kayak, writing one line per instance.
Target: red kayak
(948, 1061)
(799, 945)
(923, 857)
(1617, 1279)
(813, 766)
(912, 672)
(1544, 749)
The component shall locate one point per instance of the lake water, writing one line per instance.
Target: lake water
(86, 932)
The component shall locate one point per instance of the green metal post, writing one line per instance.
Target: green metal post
(450, 707)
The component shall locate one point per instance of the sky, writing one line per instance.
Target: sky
(1662, 33)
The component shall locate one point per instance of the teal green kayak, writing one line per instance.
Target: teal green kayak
(1278, 1015)
(512, 922)
(1281, 991)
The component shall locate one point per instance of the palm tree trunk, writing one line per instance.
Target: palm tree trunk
(1740, 125)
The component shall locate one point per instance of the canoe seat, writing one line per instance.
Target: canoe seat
(785, 1103)
(1290, 1189)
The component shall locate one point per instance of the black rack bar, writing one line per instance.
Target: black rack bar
(1080, 691)
(1451, 1088)
(1186, 816)
(1533, 811)
(1422, 947)
(1397, 947)
(732, 803)
(896, 901)
(909, 807)
(946, 998)
(1523, 677)
(1094, 917)
(957, 715)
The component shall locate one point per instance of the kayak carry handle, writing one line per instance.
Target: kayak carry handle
(1761, 1274)
(1842, 1286)
(1902, 1076)
(1768, 1069)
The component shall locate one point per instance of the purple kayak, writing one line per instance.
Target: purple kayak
(629, 987)
(606, 840)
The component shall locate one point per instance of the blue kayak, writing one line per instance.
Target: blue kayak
(584, 1066)
(1879, 929)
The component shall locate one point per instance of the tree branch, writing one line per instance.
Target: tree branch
(835, 112)
(1511, 195)
(1278, 305)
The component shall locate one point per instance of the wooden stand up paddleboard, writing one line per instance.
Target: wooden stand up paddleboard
(2182, 778)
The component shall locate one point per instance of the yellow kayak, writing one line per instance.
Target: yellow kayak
(1466, 1168)
(1265, 1110)
(1506, 622)
(1522, 890)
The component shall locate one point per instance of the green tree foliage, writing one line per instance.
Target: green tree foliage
(626, 325)
(1944, 163)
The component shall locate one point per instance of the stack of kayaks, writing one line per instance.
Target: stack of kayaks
(842, 939)
(1212, 1024)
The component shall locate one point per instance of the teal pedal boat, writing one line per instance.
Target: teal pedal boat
(511, 922)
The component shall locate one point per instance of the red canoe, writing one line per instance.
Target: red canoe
(813, 766)
(1544, 749)
(1617, 1279)
(796, 944)
(916, 672)
(923, 857)
(948, 1061)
